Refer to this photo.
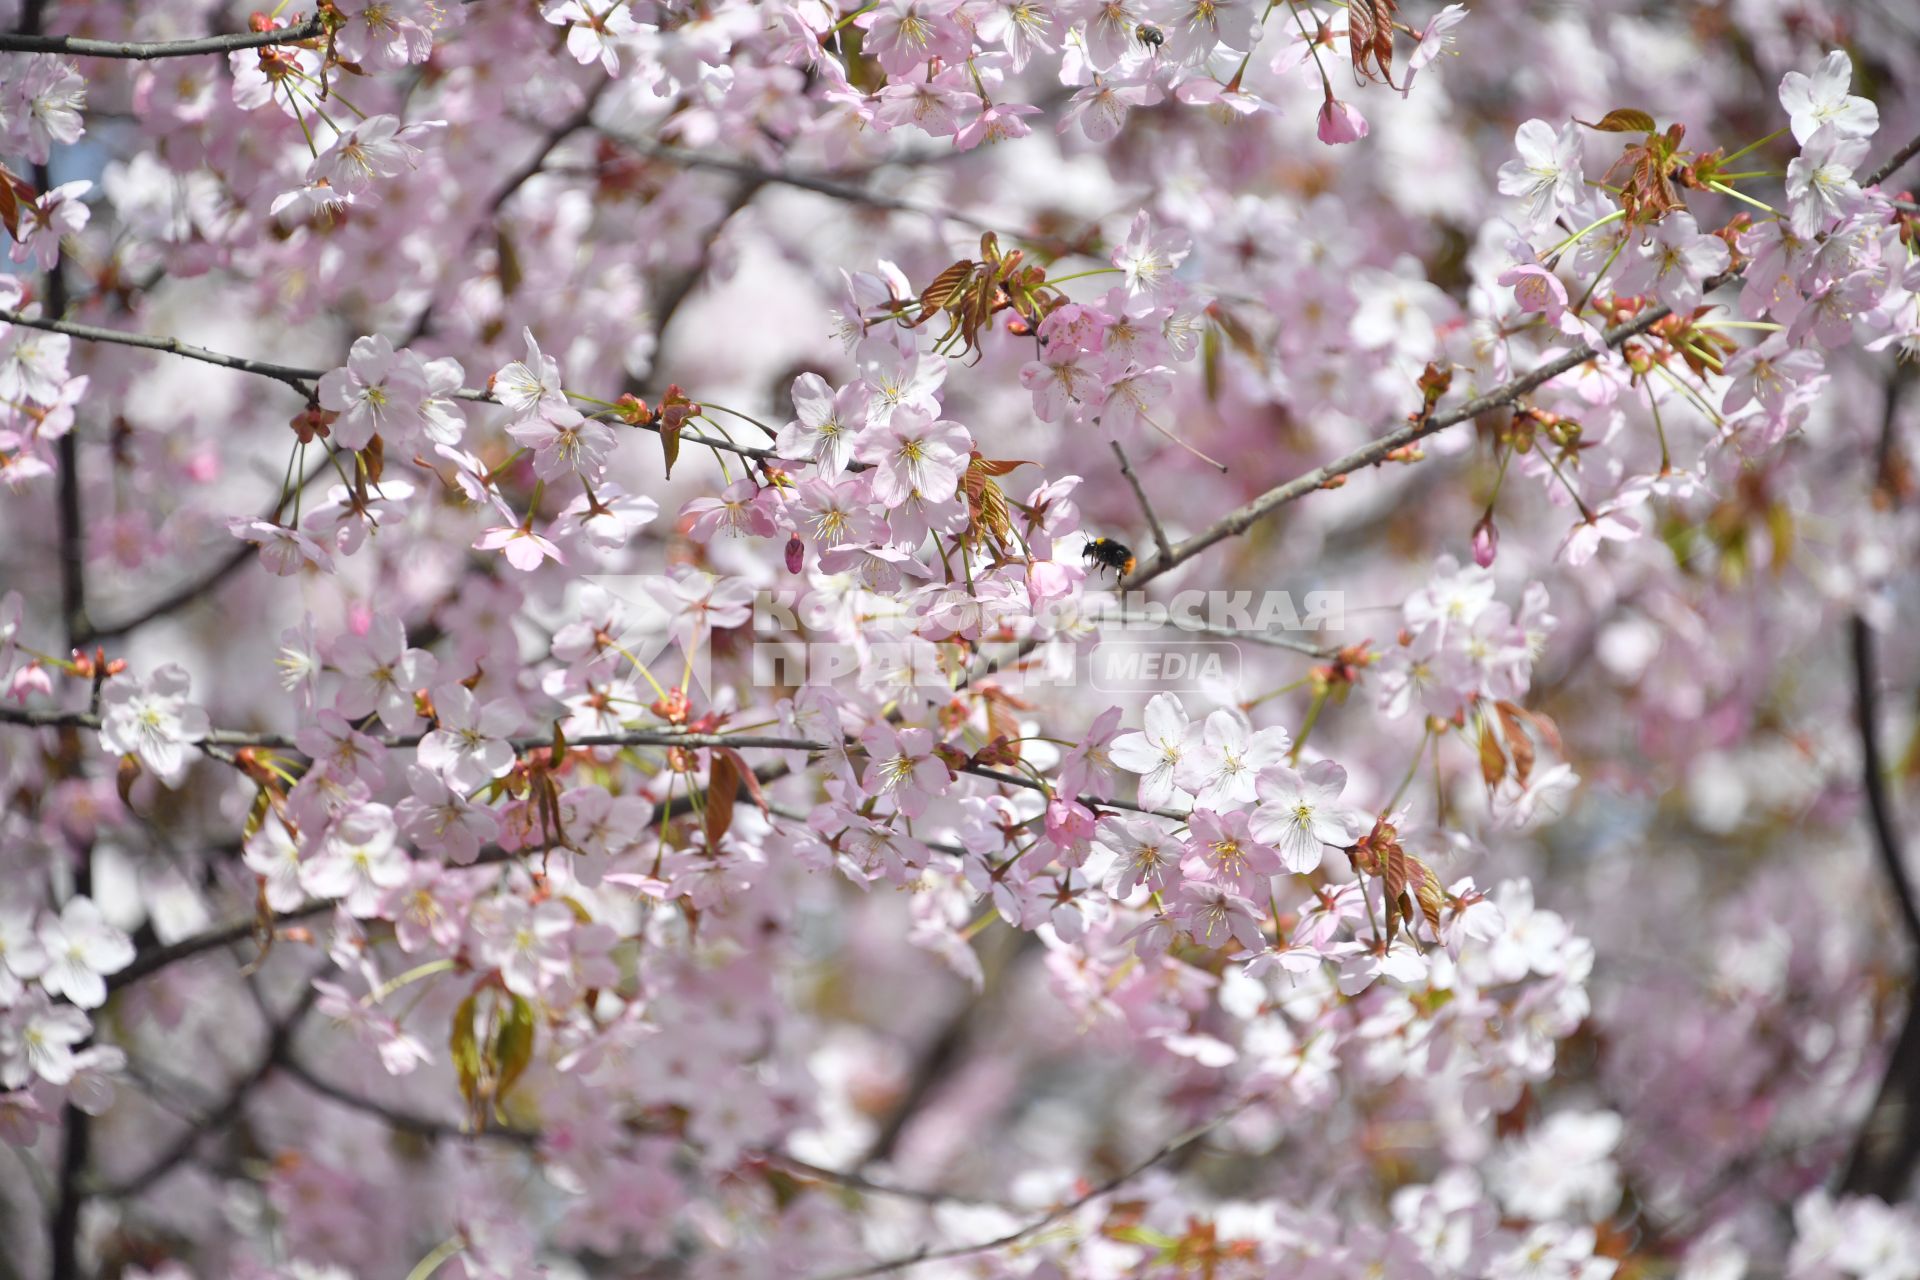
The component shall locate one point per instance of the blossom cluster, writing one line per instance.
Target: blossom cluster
(475, 800)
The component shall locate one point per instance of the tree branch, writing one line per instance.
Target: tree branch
(144, 51)
(1888, 1144)
(186, 593)
(1892, 164)
(157, 958)
(519, 178)
(824, 184)
(1171, 1148)
(1873, 781)
(218, 739)
(405, 1121)
(280, 1033)
(1161, 547)
(299, 379)
(1239, 520)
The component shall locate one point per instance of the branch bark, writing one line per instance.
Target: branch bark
(145, 51)
(1888, 1144)
(1172, 1147)
(1242, 518)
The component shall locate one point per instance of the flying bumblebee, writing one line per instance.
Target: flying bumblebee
(1109, 554)
(1150, 35)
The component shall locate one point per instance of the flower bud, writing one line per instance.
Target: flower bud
(1486, 540)
(1341, 122)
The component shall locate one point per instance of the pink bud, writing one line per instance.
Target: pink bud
(29, 680)
(1341, 122)
(1486, 540)
(796, 553)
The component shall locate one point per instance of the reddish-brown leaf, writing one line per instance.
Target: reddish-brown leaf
(1623, 120)
(944, 286)
(12, 192)
(747, 778)
(1493, 765)
(1370, 37)
(1543, 726)
(1519, 745)
(723, 783)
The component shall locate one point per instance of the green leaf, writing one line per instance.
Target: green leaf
(465, 1051)
(488, 1069)
(512, 1048)
(670, 442)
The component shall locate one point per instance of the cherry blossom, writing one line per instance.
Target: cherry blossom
(467, 745)
(378, 391)
(81, 949)
(1822, 99)
(1547, 175)
(925, 848)
(1300, 813)
(152, 720)
(383, 674)
(1156, 751)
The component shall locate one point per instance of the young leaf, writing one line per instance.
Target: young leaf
(1623, 120)
(723, 783)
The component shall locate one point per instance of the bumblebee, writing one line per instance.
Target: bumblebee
(1109, 554)
(1150, 35)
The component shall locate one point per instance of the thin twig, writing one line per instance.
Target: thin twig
(157, 958)
(231, 738)
(1892, 163)
(820, 184)
(280, 1033)
(144, 51)
(534, 165)
(860, 1182)
(236, 559)
(300, 380)
(1242, 518)
(926, 1254)
(395, 1118)
(1160, 544)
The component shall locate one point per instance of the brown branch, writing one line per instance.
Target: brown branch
(1873, 778)
(831, 185)
(1888, 1143)
(299, 379)
(395, 1118)
(435, 1129)
(1892, 163)
(519, 178)
(1242, 518)
(228, 738)
(236, 559)
(280, 1033)
(76, 1126)
(1161, 546)
(157, 958)
(144, 51)
(928, 1254)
